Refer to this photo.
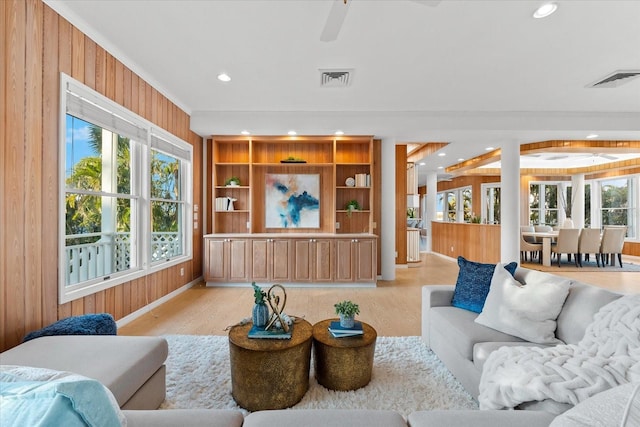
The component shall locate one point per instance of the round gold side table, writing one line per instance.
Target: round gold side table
(269, 373)
(343, 363)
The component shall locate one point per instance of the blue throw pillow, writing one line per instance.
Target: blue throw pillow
(472, 286)
(86, 324)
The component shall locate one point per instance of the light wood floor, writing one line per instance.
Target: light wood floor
(393, 307)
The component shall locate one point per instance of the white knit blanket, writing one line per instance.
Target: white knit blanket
(607, 356)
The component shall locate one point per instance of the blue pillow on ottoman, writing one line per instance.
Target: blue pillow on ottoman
(472, 286)
(87, 324)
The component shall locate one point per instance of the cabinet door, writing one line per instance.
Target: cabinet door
(344, 260)
(260, 264)
(365, 256)
(280, 260)
(323, 260)
(301, 264)
(238, 260)
(215, 257)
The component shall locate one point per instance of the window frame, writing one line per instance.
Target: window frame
(459, 198)
(140, 174)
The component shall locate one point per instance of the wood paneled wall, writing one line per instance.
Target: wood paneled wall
(36, 45)
(475, 242)
(401, 204)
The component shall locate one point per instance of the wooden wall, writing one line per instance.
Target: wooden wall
(475, 242)
(36, 45)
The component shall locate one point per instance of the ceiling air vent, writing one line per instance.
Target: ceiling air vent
(616, 78)
(335, 78)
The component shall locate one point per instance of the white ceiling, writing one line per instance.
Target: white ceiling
(472, 73)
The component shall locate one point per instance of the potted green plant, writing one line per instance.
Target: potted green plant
(347, 311)
(260, 312)
(233, 181)
(352, 205)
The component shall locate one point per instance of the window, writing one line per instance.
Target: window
(543, 204)
(125, 192)
(491, 203)
(455, 205)
(618, 206)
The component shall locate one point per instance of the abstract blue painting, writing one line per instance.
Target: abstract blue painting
(292, 200)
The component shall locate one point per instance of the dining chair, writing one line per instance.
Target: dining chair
(589, 243)
(541, 229)
(534, 249)
(612, 243)
(567, 243)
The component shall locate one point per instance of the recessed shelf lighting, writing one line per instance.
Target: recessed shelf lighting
(292, 133)
(592, 135)
(338, 133)
(545, 10)
(245, 132)
(224, 77)
(442, 154)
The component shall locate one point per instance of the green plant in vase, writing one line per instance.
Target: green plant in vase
(260, 312)
(233, 181)
(347, 311)
(352, 205)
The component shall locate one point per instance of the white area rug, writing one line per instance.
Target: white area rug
(407, 376)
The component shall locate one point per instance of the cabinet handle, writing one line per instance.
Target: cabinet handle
(355, 240)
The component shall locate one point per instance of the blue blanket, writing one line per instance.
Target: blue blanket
(55, 403)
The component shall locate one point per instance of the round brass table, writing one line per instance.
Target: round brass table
(343, 363)
(269, 373)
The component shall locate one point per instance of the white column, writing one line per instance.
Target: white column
(387, 230)
(431, 213)
(510, 202)
(577, 197)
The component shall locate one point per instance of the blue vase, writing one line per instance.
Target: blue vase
(260, 315)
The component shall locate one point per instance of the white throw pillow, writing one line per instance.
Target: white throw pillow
(614, 407)
(525, 311)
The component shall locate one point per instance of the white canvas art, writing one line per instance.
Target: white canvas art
(292, 200)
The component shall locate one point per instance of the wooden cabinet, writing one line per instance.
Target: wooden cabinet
(355, 260)
(270, 260)
(226, 260)
(313, 260)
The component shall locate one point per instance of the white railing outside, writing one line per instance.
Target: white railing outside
(112, 253)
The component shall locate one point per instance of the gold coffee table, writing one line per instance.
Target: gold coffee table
(343, 363)
(269, 373)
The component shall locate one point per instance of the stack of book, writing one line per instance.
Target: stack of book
(273, 334)
(363, 180)
(338, 331)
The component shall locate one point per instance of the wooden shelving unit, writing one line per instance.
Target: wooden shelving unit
(333, 158)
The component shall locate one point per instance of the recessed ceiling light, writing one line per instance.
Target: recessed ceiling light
(245, 132)
(338, 133)
(440, 167)
(421, 164)
(592, 135)
(224, 77)
(489, 148)
(545, 10)
(442, 154)
(460, 159)
(292, 133)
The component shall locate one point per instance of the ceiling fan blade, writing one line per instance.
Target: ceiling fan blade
(334, 21)
(432, 3)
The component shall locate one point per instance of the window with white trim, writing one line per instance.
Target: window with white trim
(490, 203)
(455, 205)
(125, 190)
(619, 203)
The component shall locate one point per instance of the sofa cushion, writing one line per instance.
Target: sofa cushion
(472, 285)
(482, 350)
(122, 363)
(582, 303)
(619, 406)
(526, 311)
(464, 332)
(448, 418)
(184, 418)
(325, 418)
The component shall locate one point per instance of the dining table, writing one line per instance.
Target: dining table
(547, 237)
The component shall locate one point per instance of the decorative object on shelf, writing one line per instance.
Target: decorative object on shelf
(292, 200)
(352, 205)
(260, 312)
(475, 219)
(225, 204)
(350, 182)
(292, 159)
(234, 181)
(347, 311)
